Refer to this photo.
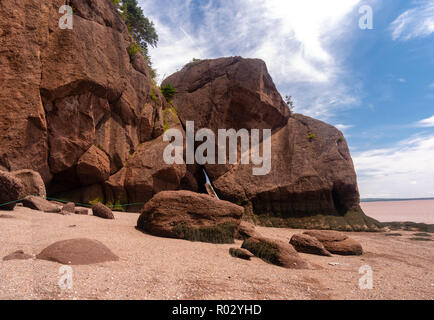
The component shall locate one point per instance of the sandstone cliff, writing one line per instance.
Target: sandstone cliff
(75, 107)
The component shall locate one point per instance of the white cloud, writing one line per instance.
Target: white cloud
(425, 123)
(391, 172)
(414, 23)
(301, 42)
(343, 127)
(431, 86)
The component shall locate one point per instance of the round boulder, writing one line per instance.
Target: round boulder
(307, 244)
(77, 252)
(11, 189)
(100, 210)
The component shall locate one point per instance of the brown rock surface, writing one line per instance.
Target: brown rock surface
(77, 252)
(191, 216)
(93, 166)
(337, 243)
(275, 252)
(40, 204)
(101, 211)
(307, 244)
(246, 230)
(11, 189)
(17, 255)
(312, 182)
(240, 253)
(32, 182)
(64, 92)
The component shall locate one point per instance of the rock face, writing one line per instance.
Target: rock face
(40, 204)
(312, 182)
(74, 106)
(275, 252)
(93, 166)
(337, 243)
(32, 182)
(11, 189)
(101, 211)
(307, 244)
(190, 216)
(77, 252)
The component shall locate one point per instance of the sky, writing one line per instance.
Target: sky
(375, 84)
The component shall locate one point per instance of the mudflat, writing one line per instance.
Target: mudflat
(157, 268)
(421, 211)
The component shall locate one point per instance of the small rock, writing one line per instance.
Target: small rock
(240, 253)
(82, 211)
(40, 204)
(100, 210)
(307, 244)
(17, 255)
(69, 207)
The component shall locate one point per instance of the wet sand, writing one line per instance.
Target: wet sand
(159, 268)
(420, 211)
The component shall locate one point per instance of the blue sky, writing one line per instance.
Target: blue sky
(377, 85)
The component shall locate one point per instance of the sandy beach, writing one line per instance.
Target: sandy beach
(159, 268)
(421, 211)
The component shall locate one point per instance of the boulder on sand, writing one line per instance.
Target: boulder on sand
(11, 189)
(32, 183)
(336, 242)
(17, 255)
(100, 210)
(40, 204)
(240, 253)
(68, 208)
(190, 216)
(246, 230)
(275, 252)
(307, 244)
(77, 252)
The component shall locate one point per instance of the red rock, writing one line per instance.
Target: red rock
(275, 252)
(307, 244)
(337, 243)
(11, 190)
(312, 182)
(191, 216)
(17, 255)
(32, 183)
(240, 253)
(40, 204)
(77, 252)
(93, 166)
(100, 210)
(246, 230)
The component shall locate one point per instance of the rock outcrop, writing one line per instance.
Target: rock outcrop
(40, 204)
(190, 216)
(307, 244)
(32, 183)
(11, 190)
(275, 252)
(336, 242)
(312, 182)
(75, 107)
(101, 211)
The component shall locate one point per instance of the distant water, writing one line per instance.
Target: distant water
(421, 211)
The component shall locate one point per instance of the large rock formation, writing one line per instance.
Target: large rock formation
(74, 105)
(190, 216)
(312, 182)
